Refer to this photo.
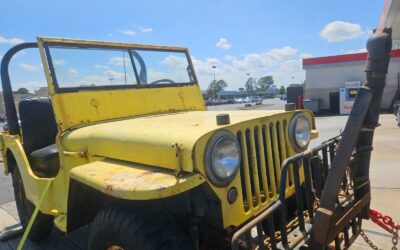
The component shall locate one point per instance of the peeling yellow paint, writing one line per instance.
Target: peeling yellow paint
(132, 181)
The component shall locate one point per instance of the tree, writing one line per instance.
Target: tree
(302, 84)
(264, 82)
(282, 90)
(22, 91)
(296, 85)
(250, 85)
(214, 87)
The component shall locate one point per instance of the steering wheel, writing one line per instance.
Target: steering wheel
(163, 81)
(143, 70)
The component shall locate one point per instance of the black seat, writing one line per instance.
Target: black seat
(45, 161)
(39, 130)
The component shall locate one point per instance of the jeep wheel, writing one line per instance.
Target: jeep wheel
(43, 224)
(118, 227)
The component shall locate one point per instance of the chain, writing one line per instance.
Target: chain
(293, 224)
(368, 241)
(395, 237)
(387, 223)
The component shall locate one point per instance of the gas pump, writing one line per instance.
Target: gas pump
(347, 96)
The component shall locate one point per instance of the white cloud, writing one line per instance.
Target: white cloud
(128, 32)
(353, 51)
(13, 40)
(175, 61)
(118, 60)
(223, 44)
(282, 63)
(228, 58)
(265, 59)
(177, 75)
(73, 72)
(305, 55)
(28, 67)
(113, 74)
(59, 62)
(146, 30)
(107, 77)
(338, 31)
(282, 53)
(94, 79)
(98, 66)
(213, 61)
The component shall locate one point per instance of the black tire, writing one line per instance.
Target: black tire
(118, 227)
(43, 225)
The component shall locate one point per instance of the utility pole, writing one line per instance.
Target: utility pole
(214, 67)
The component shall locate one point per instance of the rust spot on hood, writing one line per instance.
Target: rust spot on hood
(109, 189)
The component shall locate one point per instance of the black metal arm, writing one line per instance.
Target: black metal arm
(358, 134)
(11, 110)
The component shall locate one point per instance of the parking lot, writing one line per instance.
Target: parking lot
(385, 174)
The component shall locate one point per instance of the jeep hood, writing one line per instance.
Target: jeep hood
(164, 140)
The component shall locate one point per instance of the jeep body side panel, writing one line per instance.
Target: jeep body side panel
(132, 181)
(33, 185)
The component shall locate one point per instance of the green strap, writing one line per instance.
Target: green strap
(33, 217)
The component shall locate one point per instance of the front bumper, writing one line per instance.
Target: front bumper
(270, 229)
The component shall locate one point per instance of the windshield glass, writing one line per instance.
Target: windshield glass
(86, 68)
(90, 68)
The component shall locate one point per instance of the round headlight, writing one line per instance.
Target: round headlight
(225, 158)
(222, 158)
(300, 132)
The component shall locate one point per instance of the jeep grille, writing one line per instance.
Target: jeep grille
(263, 148)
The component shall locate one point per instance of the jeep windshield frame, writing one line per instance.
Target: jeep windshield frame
(134, 58)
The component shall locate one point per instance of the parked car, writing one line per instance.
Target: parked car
(3, 117)
(397, 112)
(256, 99)
(240, 100)
(211, 102)
(231, 101)
(5, 124)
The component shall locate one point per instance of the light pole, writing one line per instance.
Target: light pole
(253, 82)
(293, 79)
(214, 67)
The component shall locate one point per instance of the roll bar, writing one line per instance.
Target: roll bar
(11, 110)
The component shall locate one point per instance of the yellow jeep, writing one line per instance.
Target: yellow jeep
(124, 142)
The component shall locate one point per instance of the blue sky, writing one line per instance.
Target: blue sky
(239, 37)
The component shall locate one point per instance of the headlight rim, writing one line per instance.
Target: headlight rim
(210, 173)
(292, 133)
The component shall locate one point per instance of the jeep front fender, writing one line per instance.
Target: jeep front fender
(131, 181)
